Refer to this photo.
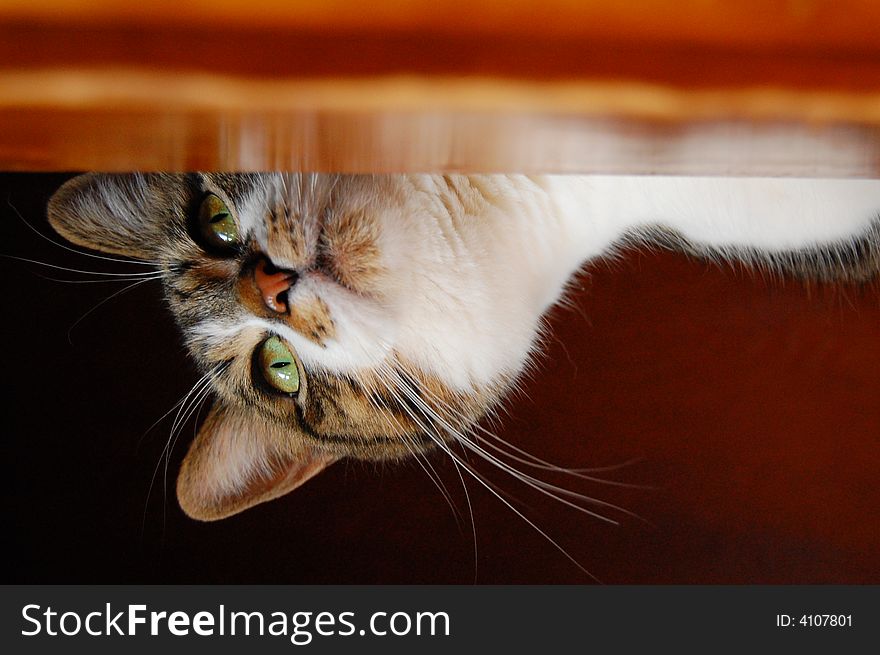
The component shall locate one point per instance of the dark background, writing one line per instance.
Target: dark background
(751, 407)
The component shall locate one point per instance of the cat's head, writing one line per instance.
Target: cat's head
(332, 316)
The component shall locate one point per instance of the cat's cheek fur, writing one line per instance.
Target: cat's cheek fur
(239, 460)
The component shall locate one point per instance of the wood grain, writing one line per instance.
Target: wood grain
(699, 87)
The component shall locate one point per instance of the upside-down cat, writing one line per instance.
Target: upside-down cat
(376, 317)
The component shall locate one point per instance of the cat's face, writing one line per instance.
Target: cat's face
(324, 311)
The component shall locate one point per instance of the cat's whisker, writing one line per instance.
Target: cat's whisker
(553, 491)
(183, 415)
(542, 486)
(176, 405)
(202, 383)
(182, 410)
(195, 404)
(441, 443)
(491, 488)
(537, 462)
(467, 496)
(198, 416)
(543, 465)
(76, 270)
(387, 371)
(384, 368)
(198, 390)
(158, 276)
(422, 461)
(332, 188)
(425, 464)
(495, 492)
(162, 418)
(528, 459)
(103, 302)
(74, 250)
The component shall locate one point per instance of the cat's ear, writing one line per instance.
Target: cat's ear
(238, 461)
(121, 214)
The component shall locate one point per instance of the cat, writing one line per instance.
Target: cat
(379, 317)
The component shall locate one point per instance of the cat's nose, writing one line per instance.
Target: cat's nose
(274, 283)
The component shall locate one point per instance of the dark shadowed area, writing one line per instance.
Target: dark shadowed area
(748, 407)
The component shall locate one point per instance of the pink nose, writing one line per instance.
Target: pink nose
(273, 283)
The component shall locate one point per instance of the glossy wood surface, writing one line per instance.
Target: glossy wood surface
(653, 86)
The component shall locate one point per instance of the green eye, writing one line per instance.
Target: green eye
(277, 366)
(216, 223)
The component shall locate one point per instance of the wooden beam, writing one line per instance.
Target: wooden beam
(650, 86)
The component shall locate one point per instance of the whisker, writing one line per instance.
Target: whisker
(541, 486)
(551, 490)
(543, 465)
(161, 418)
(491, 488)
(467, 468)
(467, 496)
(103, 302)
(202, 383)
(74, 250)
(158, 276)
(195, 404)
(536, 462)
(76, 270)
(422, 461)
